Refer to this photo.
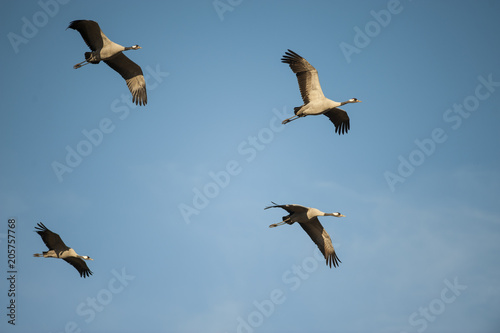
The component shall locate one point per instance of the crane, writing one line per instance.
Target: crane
(57, 249)
(112, 54)
(307, 218)
(315, 102)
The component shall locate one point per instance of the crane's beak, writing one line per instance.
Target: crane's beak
(342, 215)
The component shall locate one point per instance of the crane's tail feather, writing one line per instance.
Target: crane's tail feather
(89, 56)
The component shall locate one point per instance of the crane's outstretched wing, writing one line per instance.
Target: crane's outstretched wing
(340, 119)
(289, 208)
(132, 73)
(51, 239)
(91, 33)
(307, 76)
(80, 266)
(319, 236)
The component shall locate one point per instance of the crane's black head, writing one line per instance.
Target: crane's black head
(133, 47)
(336, 214)
(354, 100)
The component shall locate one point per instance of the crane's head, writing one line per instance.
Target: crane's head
(354, 100)
(336, 214)
(135, 47)
(86, 257)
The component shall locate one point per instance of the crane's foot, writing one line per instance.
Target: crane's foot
(81, 64)
(286, 121)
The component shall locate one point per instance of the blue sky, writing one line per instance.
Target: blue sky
(417, 176)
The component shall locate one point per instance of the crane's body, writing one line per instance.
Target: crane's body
(300, 215)
(316, 107)
(61, 254)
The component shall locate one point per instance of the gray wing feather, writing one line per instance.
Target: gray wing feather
(132, 73)
(307, 76)
(321, 238)
(52, 240)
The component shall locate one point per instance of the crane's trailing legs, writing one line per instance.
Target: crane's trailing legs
(286, 219)
(81, 64)
(290, 119)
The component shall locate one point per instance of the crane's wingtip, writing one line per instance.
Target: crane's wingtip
(274, 205)
(72, 24)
